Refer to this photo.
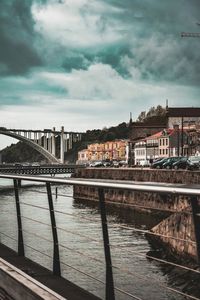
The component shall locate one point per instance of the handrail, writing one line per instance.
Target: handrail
(193, 191)
(155, 187)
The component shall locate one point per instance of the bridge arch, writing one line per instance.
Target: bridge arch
(51, 158)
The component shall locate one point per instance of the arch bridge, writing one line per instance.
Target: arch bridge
(44, 141)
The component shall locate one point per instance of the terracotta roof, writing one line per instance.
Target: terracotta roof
(183, 112)
(154, 136)
(160, 133)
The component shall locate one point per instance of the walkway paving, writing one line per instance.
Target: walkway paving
(61, 286)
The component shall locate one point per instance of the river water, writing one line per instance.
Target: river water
(80, 240)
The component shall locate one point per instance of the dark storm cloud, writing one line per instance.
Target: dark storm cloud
(150, 43)
(77, 61)
(154, 33)
(149, 40)
(111, 55)
(17, 53)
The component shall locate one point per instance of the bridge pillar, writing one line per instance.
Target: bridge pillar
(79, 137)
(35, 137)
(53, 142)
(45, 141)
(66, 143)
(70, 140)
(62, 145)
(73, 138)
(49, 142)
(39, 138)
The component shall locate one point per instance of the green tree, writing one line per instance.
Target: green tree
(158, 111)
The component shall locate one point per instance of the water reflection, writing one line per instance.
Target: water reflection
(80, 240)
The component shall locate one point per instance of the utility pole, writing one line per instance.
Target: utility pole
(194, 35)
(181, 136)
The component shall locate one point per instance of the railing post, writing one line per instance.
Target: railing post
(110, 294)
(19, 220)
(196, 219)
(56, 256)
(19, 182)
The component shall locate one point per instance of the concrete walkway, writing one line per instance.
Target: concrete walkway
(59, 285)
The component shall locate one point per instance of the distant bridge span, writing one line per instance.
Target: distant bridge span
(51, 158)
(43, 141)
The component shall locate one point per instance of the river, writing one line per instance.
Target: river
(80, 240)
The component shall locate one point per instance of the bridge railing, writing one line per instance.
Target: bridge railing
(192, 192)
(39, 170)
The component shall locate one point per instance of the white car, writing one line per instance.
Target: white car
(144, 163)
(96, 164)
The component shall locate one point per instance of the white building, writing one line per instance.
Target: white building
(140, 152)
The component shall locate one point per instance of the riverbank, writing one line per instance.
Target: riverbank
(176, 230)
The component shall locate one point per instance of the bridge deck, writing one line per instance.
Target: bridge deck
(60, 285)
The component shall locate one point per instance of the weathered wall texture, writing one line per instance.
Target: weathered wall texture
(149, 175)
(176, 231)
(136, 200)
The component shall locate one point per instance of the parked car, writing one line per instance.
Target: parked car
(18, 165)
(115, 164)
(107, 164)
(35, 164)
(96, 164)
(144, 163)
(193, 162)
(123, 163)
(168, 164)
(159, 163)
(158, 159)
(182, 163)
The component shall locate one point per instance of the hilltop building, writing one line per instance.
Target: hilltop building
(184, 117)
(139, 130)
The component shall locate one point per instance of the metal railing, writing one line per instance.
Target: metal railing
(39, 170)
(193, 192)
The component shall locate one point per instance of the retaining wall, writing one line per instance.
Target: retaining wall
(176, 231)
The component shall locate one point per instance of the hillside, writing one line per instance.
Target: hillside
(21, 152)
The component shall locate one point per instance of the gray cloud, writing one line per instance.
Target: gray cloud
(150, 39)
(116, 54)
(146, 34)
(17, 53)
(157, 50)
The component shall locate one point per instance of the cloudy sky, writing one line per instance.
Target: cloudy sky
(87, 63)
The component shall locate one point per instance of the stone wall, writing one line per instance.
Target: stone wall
(177, 231)
(148, 175)
(137, 200)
